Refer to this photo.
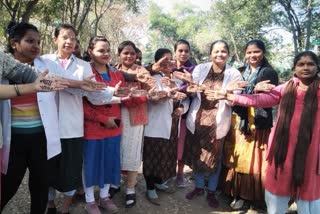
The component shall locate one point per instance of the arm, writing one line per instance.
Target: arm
(16, 71)
(262, 100)
(9, 91)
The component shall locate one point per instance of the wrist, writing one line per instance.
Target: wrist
(16, 88)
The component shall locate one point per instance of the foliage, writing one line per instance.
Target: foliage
(183, 23)
(242, 20)
(85, 15)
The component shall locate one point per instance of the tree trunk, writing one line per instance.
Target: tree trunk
(308, 25)
(29, 9)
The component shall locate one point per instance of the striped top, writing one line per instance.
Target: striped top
(25, 112)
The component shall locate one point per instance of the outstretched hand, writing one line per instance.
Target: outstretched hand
(236, 85)
(45, 82)
(163, 65)
(155, 95)
(89, 84)
(263, 86)
(174, 94)
(168, 82)
(185, 76)
(195, 88)
(213, 95)
(145, 77)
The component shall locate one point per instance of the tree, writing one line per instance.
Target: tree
(183, 23)
(240, 21)
(298, 17)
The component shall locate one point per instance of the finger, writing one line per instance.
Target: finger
(152, 89)
(118, 84)
(45, 73)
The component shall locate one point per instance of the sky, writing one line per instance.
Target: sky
(168, 4)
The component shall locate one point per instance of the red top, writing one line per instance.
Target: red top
(310, 189)
(94, 115)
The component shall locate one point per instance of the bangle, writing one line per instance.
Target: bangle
(16, 88)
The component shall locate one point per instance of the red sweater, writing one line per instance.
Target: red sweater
(94, 115)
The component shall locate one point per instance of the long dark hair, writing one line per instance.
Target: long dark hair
(16, 31)
(287, 106)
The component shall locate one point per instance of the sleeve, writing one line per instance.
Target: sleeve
(103, 97)
(269, 74)
(134, 101)
(92, 114)
(261, 100)
(16, 71)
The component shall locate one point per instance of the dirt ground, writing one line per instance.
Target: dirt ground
(175, 203)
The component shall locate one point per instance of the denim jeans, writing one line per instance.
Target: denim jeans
(279, 204)
(213, 179)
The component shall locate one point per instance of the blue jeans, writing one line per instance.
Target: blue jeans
(279, 204)
(213, 179)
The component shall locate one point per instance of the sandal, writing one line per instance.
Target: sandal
(113, 191)
(130, 197)
(155, 201)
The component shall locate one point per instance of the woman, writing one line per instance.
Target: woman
(102, 131)
(133, 120)
(183, 65)
(293, 148)
(32, 137)
(208, 122)
(243, 176)
(160, 143)
(65, 169)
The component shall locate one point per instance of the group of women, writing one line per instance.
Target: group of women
(210, 117)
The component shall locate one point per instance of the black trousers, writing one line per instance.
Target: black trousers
(27, 151)
(151, 180)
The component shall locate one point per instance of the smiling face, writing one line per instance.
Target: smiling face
(27, 48)
(254, 55)
(100, 54)
(305, 68)
(182, 53)
(128, 56)
(66, 42)
(219, 54)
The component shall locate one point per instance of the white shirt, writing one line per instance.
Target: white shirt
(159, 115)
(70, 105)
(48, 112)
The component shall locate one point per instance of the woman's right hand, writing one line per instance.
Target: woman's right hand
(111, 124)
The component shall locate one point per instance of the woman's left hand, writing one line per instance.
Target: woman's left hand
(263, 86)
(45, 83)
(88, 84)
(213, 95)
(184, 76)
